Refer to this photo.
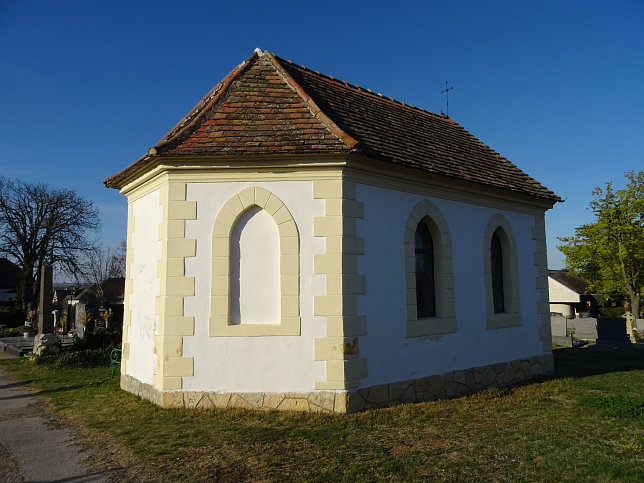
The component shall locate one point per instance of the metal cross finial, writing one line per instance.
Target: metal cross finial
(446, 91)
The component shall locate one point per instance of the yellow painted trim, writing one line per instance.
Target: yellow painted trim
(445, 321)
(346, 326)
(174, 286)
(225, 220)
(335, 348)
(218, 169)
(339, 304)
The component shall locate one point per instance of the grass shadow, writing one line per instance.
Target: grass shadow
(39, 393)
(582, 362)
(16, 384)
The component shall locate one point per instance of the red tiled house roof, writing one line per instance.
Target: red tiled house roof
(267, 105)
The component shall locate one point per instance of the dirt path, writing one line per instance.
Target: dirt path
(33, 445)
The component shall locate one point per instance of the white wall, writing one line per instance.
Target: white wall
(146, 251)
(560, 293)
(253, 364)
(391, 356)
(563, 309)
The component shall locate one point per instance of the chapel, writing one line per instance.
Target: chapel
(297, 242)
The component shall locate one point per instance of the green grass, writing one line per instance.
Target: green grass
(586, 423)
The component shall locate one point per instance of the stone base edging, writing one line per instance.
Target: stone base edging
(452, 384)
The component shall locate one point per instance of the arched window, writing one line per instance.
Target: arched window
(425, 288)
(255, 267)
(429, 279)
(496, 260)
(501, 274)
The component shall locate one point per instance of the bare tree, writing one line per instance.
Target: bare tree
(42, 225)
(101, 263)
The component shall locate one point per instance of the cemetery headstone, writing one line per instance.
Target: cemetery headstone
(612, 334)
(45, 316)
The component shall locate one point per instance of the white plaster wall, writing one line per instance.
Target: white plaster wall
(253, 364)
(558, 326)
(146, 252)
(255, 269)
(392, 357)
(560, 293)
(563, 309)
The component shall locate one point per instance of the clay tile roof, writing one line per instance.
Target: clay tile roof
(268, 105)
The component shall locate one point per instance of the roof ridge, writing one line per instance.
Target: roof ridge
(316, 111)
(203, 106)
(366, 91)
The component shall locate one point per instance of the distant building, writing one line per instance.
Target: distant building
(568, 295)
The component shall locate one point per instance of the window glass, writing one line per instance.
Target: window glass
(497, 274)
(425, 292)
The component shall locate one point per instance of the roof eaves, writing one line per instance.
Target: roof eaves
(182, 127)
(202, 108)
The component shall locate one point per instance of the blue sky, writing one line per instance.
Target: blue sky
(555, 86)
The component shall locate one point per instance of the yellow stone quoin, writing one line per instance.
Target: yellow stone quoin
(172, 325)
(339, 349)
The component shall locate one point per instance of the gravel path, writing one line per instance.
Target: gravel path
(33, 446)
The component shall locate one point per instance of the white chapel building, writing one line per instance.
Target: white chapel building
(298, 242)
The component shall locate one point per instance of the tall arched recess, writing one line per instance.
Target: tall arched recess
(254, 202)
(443, 320)
(501, 274)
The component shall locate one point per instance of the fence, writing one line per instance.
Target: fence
(585, 328)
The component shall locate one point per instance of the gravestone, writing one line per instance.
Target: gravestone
(45, 316)
(612, 334)
(46, 342)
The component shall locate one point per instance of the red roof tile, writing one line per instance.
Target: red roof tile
(268, 105)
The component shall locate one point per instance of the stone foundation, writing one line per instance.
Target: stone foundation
(449, 385)
(452, 384)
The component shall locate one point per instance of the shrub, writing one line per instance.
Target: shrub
(11, 316)
(16, 331)
(84, 358)
(99, 340)
(93, 350)
(612, 311)
(74, 358)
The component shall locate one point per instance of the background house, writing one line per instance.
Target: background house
(568, 295)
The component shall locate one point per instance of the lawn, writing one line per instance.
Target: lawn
(586, 423)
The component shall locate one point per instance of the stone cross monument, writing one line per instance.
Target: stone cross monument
(45, 317)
